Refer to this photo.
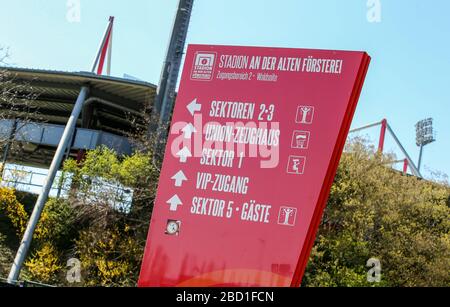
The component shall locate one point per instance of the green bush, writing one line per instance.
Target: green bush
(373, 212)
(376, 212)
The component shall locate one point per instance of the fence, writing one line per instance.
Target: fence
(31, 180)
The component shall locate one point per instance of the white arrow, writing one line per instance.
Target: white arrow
(174, 202)
(194, 107)
(188, 131)
(184, 154)
(179, 178)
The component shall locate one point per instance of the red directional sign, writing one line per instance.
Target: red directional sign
(256, 137)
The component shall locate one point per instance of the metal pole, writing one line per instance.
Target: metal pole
(365, 127)
(66, 156)
(413, 167)
(420, 157)
(40, 203)
(165, 96)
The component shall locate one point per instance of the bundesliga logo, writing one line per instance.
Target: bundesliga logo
(203, 66)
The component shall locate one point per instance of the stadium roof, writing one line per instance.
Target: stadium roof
(114, 108)
(116, 104)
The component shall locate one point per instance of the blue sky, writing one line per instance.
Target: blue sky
(408, 79)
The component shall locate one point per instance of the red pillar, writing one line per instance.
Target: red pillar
(382, 135)
(405, 166)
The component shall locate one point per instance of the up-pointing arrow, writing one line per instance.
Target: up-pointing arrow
(179, 178)
(194, 107)
(174, 202)
(188, 131)
(184, 154)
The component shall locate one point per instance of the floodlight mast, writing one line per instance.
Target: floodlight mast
(419, 164)
(165, 97)
(424, 136)
(385, 127)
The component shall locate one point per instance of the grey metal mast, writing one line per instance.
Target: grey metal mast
(56, 162)
(165, 97)
(43, 196)
(419, 164)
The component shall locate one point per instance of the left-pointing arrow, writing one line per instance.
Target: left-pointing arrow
(179, 178)
(194, 107)
(184, 154)
(174, 202)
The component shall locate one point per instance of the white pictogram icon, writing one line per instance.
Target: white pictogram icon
(203, 68)
(174, 202)
(179, 178)
(300, 139)
(173, 228)
(305, 115)
(287, 216)
(296, 165)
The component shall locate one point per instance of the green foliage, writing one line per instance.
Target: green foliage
(372, 212)
(375, 212)
(134, 171)
(110, 242)
(12, 209)
(44, 264)
(57, 223)
(109, 257)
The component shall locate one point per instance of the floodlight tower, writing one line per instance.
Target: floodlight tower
(424, 135)
(165, 97)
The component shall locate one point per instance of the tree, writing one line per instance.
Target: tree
(96, 224)
(376, 212)
(373, 212)
(17, 110)
(113, 199)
